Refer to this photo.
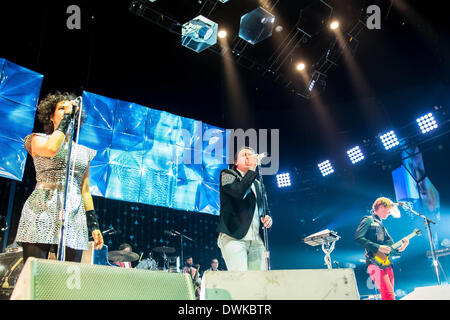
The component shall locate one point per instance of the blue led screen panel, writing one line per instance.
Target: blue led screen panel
(19, 94)
(404, 185)
(150, 156)
(412, 184)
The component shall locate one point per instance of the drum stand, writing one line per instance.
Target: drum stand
(327, 239)
(166, 262)
(327, 248)
(181, 246)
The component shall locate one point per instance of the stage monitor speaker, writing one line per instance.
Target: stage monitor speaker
(57, 280)
(429, 293)
(320, 284)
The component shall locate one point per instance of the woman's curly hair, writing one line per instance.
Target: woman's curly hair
(47, 107)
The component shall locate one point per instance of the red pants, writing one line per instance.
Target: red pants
(384, 280)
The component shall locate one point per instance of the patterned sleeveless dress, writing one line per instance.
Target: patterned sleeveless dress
(40, 219)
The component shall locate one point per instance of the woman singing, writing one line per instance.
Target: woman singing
(40, 223)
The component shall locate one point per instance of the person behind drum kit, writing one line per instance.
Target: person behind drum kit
(125, 247)
(214, 266)
(373, 236)
(39, 225)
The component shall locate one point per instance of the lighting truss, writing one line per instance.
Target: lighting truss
(272, 67)
(208, 7)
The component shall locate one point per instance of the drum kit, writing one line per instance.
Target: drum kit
(11, 264)
(169, 264)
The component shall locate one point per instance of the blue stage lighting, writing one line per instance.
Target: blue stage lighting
(355, 154)
(427, 123)
(389, 140)
(326, 168)
(283, 180)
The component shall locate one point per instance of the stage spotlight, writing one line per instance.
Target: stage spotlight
(325, 168)
(283, 180)
(389, 140)
(222, 34)
(427, 123)
(278, 28)
(355, 155)
(300, 66)
(334, 25)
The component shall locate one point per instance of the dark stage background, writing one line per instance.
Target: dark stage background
(122, 56)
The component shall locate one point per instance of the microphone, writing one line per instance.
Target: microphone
(76, 106)
(76, 102)
(111, 231)
(169, 233)
(406, 205)
(261, 156)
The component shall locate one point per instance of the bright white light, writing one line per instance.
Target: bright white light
(389, 140)
(301, 66)
(283, 180)
(355, 155)
(334, 25)
(222, 34)
(325, 168)
(311, 85)
(427, 123)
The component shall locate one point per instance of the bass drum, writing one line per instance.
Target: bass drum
(147, 264)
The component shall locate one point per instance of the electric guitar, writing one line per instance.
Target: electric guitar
(382, 261)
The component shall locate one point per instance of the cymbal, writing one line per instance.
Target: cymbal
(164, 249)
(122, 256)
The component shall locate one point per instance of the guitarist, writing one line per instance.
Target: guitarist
(373, 236)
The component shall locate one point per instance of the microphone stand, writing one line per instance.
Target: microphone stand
(433, 252)
(264, 210)
(61, 256)
(181, 244)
